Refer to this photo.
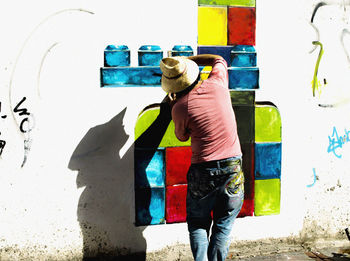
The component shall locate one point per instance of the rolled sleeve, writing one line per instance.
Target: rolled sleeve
(219, 69)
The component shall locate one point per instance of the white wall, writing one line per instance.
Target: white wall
(77, 182)
(284, 42)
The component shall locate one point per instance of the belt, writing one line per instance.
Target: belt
(219, 163)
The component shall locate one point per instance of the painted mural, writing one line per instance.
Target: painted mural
(161, 162)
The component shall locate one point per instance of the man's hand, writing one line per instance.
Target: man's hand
(170, 99)
(204, 59)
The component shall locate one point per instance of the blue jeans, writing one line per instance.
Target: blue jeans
(215, 196)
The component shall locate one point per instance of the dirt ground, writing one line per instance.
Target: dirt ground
(267, 249)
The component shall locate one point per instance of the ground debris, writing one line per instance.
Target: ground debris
(317, 256)
(320, 256)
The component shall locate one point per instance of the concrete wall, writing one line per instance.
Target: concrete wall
(67, 186)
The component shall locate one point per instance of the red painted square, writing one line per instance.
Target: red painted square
(241, 25)
(247, 208)
(178, 161)
(175, 203)
(248, 170)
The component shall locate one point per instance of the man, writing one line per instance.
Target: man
(203, 111)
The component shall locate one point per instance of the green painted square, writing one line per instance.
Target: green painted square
(248, 3)
(267, 197)
(145, 120)
(169, 139)
(242, 97)
(267, 124)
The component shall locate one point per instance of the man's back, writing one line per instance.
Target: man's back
(206, 115)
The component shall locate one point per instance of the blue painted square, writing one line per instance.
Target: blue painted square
(243, 59)
(243, 56)
(149, 168)
(150, 206)
(150, 55)
(224, 51)
(268, 160)
(243, 78)
(116, 56)
(130, 76)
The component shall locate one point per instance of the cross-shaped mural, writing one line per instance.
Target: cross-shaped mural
(227, 28)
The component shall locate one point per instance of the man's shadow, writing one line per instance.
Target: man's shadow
(106, 210)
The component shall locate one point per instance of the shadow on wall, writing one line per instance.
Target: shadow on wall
(106, 206)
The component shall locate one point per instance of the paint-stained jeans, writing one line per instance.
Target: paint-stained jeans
(214, 198)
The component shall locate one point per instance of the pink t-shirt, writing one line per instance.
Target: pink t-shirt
(205, 114)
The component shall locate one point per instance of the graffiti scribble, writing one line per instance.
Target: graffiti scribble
(326, 105)
(315, 178)
(26, 126)
(2, 146)
(336, 142)
(314, 26)
(344, 32)
(316, 85)
(339, 103)
(27, 40)
(3, 116)
(12, 77)
(320, 4)
(41, 66)
(21, 111)
(2, 142)
(27, 146)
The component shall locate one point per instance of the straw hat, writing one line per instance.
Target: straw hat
(178, 73)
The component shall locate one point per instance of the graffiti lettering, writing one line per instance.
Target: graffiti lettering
(336, 142)
(22, 127)
(21, 112)
(2, 146)
(3, 116)
(26, 125)
(318, 84)
(2, 142)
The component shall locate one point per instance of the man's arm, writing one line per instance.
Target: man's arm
(204, 59)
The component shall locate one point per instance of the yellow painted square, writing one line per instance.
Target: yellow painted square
(205, 72)
(267, 198)
(268, 126)
(212, 25)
